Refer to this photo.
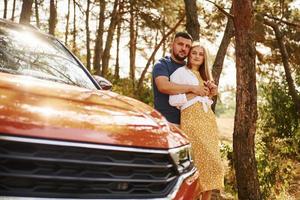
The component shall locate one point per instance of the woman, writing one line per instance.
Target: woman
(198, 120)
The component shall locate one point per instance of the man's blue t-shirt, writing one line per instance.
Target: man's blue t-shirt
(165, 67)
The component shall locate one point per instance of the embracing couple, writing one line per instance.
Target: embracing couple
(182, 94)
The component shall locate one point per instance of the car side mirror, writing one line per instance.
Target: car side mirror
(104, 83)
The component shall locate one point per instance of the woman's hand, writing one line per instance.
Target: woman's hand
(213, 88)
(214, 91)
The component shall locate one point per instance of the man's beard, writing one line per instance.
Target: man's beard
(179, 58)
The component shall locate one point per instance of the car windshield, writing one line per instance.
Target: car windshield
(27, 53)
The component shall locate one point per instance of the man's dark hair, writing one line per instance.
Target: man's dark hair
(184, 35)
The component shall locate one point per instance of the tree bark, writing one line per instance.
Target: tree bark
(37, 16)
(26, 12)
(164, 48)
(67, 23)
(132, 42)
(99, 39)
(219, 60)
(74, 45)
(53, 17)
(285, 60)
(140, 83)
(88, 49)
(13, 11)
(5, 9)
(109, 38)
(192, 23)
(117, 67)
(155, 44)
(246, 103)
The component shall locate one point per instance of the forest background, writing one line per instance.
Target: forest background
(121, 39)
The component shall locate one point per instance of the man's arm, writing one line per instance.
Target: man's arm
(165, 86)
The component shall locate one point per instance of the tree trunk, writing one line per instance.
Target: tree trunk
(5, 9)
(192, 23)
(140, 83)
(37, 17)
(155, 44)
(219, 60)
(74, 45)
(285, 60)
(246, 103)
(13, 11)
(99, 39)
(88, 49)
(109, 38)
(67, 23)
(135, 42)
(26, 12)
(132, 42)
(164, 48)
(52, 18)
(117, 67)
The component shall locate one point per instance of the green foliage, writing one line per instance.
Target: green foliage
(226, 108)
(275, 170)
(277, 111)
(229, 178)
(146, 93)
(213, 19)
(277, 139)
(278, 12)
(278, 133)
(277, 148)
(125, 86)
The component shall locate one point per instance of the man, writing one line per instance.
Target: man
(162, 70)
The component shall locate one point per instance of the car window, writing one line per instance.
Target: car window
(28, 53)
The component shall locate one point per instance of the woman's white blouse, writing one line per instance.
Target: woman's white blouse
(185, 76)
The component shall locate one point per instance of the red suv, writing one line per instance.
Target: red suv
(63, 136)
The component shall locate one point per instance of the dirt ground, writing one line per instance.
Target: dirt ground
(225, 126)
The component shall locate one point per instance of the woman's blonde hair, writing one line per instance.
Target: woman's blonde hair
(204, 69)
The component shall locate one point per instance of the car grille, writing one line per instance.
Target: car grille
(51, 170)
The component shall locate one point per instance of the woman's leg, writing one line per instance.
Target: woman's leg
(206, 195)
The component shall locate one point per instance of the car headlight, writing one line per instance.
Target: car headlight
(183, 158)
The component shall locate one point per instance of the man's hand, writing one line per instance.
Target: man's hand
(190, 95)
(200, 90)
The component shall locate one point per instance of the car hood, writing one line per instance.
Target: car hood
(37, 108)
